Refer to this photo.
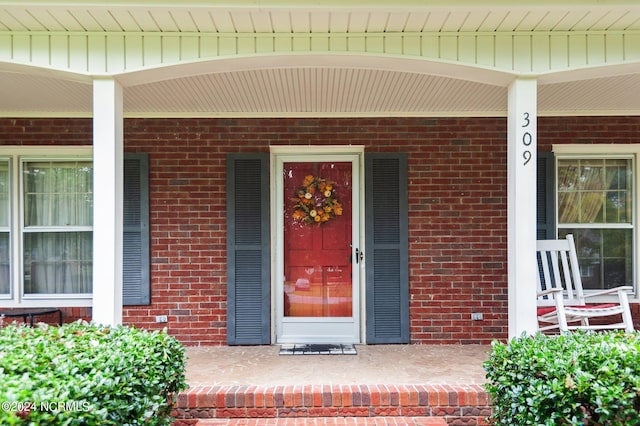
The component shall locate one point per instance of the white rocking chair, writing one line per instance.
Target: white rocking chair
(562, 304)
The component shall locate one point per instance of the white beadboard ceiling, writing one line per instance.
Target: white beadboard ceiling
(316, 90)
(309, 90)
(305, 16)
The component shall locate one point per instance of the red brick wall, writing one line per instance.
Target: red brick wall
(457, 216)
(49, 131)
(457, 208)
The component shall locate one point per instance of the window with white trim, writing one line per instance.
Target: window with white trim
(595, 199)
(5, 228)
(57, 235)
(46, 227)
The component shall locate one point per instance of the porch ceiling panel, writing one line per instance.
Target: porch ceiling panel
(323, 91)
(27, 93)
(320, 88)
(620, 93)
(305, 16)
(314, 90)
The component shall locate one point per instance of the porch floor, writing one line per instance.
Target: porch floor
(373, 364)
(388, 384)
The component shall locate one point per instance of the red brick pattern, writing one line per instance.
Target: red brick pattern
(458, 405)
(457, 203)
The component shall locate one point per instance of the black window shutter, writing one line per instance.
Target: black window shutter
(387, 266)
(248, 250)
(135, 251)
(545, 196)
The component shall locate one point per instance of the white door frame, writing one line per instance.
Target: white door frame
(316, 330)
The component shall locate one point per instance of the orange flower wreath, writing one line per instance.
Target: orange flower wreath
(316, 201)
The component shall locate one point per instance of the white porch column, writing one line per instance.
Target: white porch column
(107, 201)
(521, 206)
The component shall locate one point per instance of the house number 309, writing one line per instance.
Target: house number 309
(527, 139)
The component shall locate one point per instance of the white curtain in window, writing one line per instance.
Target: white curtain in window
(5, 248)
(58, 196)
(5, 271)
(582, 193)
(5, 184)
(58, 262)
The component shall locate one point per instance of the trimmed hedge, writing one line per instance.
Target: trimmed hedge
(84, 374)
(576, 378)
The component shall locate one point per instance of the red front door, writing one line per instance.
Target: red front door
(318, 297)
(317, 240)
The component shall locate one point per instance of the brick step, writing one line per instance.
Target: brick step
(455, 404)
(328, 421)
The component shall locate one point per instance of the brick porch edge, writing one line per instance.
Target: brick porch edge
(458, 404)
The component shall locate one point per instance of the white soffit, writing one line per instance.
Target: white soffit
(324, 89)
(316, 92)
(305, 16)
(619, 94)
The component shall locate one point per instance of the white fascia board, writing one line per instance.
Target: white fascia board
(313, 4)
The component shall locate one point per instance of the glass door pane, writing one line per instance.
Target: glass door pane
(317, 239)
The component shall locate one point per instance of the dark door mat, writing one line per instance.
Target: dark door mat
(317, 349)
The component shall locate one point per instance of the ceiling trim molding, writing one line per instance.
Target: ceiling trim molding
(512, 53)
(231, 114)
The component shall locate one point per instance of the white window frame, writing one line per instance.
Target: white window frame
(8, 227)
(612, 151)
(17, 156)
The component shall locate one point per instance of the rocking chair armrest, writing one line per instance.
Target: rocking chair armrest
(549, 291)
(625, 289)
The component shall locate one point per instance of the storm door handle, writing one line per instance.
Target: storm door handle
(359, 255)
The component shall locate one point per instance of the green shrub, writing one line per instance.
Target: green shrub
(82, 374)
(572, 379)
